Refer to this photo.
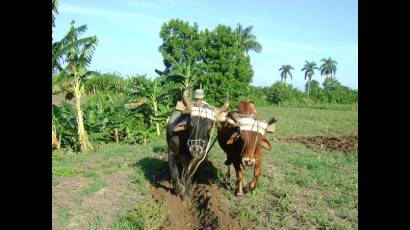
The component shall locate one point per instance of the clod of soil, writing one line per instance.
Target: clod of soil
(345, 143)
(205, 209)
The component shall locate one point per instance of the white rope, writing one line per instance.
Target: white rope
(248, 124)
(206, 152)
(203, 112)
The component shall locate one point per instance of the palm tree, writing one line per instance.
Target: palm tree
(309, 69)
(285, 72)
(54, 11)
(328, 67)
(77, 54)
(247, 41)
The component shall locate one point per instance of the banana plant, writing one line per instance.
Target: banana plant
(182, 72)
(65, 125)
(158, 106)
(77, 58)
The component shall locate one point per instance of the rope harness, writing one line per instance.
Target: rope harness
(196, 144)
(244, 126)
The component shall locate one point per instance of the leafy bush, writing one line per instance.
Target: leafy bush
(103, 113)
(65, 121)
(281, 93)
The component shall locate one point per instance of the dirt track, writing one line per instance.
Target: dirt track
(205, 209)
(345, 144)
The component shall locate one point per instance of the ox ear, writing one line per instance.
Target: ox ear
(265, 143)
(181, 126)
(271, 125)
(232, 138)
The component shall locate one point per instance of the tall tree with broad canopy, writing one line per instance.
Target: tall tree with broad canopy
(211, 58)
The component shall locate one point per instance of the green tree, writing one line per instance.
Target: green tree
(181, 51)
(328, 67)
(181, 44)
(246, 40)
(331, 84)
(281, 93)
(77, 58)
(227, 70)
(211, 58)
(309, 69)
(285, 72)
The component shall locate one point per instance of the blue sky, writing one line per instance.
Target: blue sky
(290, 32)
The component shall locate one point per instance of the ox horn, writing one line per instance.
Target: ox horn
(220, 113)
(271, 125)
(225, 106)
(187, 102)
(234, 117)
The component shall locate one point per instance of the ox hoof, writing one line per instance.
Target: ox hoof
(248, 188)
(239, 194)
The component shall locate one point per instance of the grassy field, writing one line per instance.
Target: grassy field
(299, 188)
(315, 120)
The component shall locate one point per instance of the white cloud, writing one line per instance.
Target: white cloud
(104, 13)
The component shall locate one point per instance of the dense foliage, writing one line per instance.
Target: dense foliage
(214, 59)
(134, 109)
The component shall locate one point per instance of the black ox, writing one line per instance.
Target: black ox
(188, 137)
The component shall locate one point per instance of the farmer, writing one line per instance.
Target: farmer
(180, 108)
(199, 97)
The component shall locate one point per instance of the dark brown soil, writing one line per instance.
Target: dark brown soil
(206, 208)
(345, 143)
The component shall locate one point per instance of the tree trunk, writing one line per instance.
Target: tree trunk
(54, 139)
(157, 126)
(117, 138)
(82, 134)
(308, 88)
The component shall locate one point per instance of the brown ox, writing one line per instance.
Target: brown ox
(243, 140)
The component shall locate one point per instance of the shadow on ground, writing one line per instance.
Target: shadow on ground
(156, 170)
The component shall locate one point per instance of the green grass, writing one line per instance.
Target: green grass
(92, 174)
(302, 185)
(95, 186)
(64, 171)
(96, 224)
(112, 168)
(107, 160)
(64, 216)
(148, 216)
(339, 107)
(311, 121)
(55, 182)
